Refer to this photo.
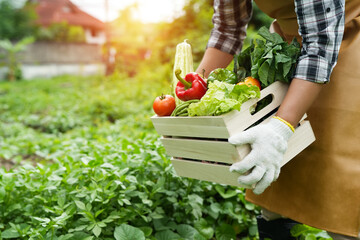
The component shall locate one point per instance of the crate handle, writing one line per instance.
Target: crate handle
(253, 107)
(277, 90)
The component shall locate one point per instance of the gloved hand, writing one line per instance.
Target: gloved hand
(268, 143)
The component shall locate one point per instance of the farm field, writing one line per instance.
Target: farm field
(81, 160)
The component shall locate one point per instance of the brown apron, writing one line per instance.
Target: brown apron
(321, 186)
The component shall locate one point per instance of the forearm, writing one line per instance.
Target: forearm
(299, 98)
(321, 32)
(213, 58)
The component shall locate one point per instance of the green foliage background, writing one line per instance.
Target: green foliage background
(16, 23)
(61, 32)
(85, 160)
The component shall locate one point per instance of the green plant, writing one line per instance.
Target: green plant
(17, 22)
(61, 32)
(304, 232)
(268, 60)
(11, 56)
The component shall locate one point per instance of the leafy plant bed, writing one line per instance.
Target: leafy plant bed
(101, 179)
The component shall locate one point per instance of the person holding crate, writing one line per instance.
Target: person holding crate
(320, 187)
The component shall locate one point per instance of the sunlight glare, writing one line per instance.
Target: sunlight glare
(157, 10)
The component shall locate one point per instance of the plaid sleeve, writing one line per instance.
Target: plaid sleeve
(321, 26)
(230, 21)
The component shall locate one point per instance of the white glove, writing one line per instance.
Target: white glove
(268, 143)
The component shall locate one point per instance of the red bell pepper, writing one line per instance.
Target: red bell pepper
(192, 87)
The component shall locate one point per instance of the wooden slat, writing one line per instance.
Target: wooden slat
(213, 172)
(209, 150)
(205, 171)
(207, 126)
(184, 130)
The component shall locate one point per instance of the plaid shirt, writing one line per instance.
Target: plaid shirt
(321, 26)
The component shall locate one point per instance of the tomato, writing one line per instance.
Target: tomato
(164, 105)
(251, 81)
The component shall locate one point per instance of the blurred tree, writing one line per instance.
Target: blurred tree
(16, 23)
(135, 42)
(12, 58)
(131, 39)
(195, 24)
(61, 32)
(76, 34)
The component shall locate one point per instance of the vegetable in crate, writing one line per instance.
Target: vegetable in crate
(222, 97)
(182, 108)
(192, 87)
(251, 81)
(184, 62)
(164, 105)
(222, 75)
(268, 60)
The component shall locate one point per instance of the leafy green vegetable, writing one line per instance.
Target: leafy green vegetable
(203, 227)
(127, 232)
(304, 232)
(222, 75)
(222, 97)
(10, 233)
(268, 60)
(225, 232)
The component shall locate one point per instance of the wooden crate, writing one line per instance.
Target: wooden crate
(199, 146)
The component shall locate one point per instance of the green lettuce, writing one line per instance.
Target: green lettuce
(222, 97)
